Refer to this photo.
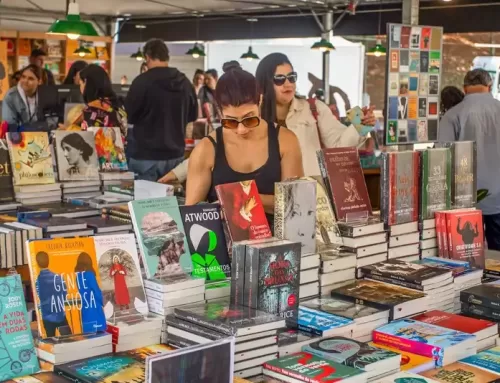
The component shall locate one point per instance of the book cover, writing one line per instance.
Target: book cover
(318, 322)
(399, 187)
(40, 377)
(346, 182)
(455, 266)
(454, 322)
(409, 361)
(6, 185)
(243, 211)
(466, 237)
(161, 237)
(121, 280)
(68, 298)
(307, 367)
(486, 360)
(460, 372)
(110, 149)
(206, 240)
(18, 356)
(76, 156)
(486, 294)
(349, 352)
(30, 158)
(405, 377)
(340, 307)
(295, 213)
(435, 182)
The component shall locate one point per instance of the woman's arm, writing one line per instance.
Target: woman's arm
(9, 112)
(199, 174)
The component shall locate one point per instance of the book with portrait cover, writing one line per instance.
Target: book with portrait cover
(466, 237)
(76, 156)
(16, 342)
(399, 187)
(67, 293)
(243, 211)
(343, 175)
(295, 213)
(110, 149)
(30, 158)
(207, 243)
(160, 233)
(435, 194)
(6, 185)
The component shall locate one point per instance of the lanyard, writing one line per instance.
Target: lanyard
(28, 106)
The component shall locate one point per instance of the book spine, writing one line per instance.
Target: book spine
(389, 279)
(280, 197)
(191, 328)
(326, 180)
(444, 234)
(424, 176)
(384, 212)
(408, 345)
(251, 277)
(470, 298)
(68, 376)
(238, 274)
(449, 234)
(447, 167)
(474, 174)
(481, 311)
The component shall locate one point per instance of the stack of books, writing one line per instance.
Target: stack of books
(115, 178)
(410, 362)
(338, 268)
(217, 290)
(108, 226)
(62, 209)
(81, 189)
(60, 227)
(38, 194)
(321, 323)
(481, 301)
(13, 236)
(291, 341)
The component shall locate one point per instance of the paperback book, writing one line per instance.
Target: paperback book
(343, 308)
(76, 156)
(460, 372)
(321, 323)
(110, 149)
(466, 237)
(6, 185)
(488, 360)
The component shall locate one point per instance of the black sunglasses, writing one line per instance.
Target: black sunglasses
(247, 122)
(280, 79)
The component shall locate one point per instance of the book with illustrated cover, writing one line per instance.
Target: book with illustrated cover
(206, 240)
(487, 295)
(16, 342)
(464, 173)
(343, 175)
(488, 360)
(161, 237)
(466, 237)
(460, 372)
(321, 323)
(399, 187)
(457, 267)
(65, 276)
(40, 377)
(30, 158)
(344, 308)
(410, 362)
(435, 194)
(295, 213)
(121, 280)
(6, 185)
(405, 377)
(110, 149)
(76, 156)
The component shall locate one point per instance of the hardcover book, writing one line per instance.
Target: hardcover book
(30, 158)
(16, 342)
(342, 308)
(6, 185)
(110, 149)
(435, 192)
(76, 156)
(464, 173)
(121, 279)
(460, 372)
(207, 243)
(295, 213)
(321, 323)
(399, 187)
(341, 169)
(68, 298)
(466, 237)
(161, 237)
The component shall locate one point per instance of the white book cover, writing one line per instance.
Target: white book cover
(76, 156)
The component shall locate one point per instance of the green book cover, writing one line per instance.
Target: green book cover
(435, 194)
(162, 240)
(309, 368)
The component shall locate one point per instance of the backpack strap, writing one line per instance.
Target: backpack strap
(314, 111)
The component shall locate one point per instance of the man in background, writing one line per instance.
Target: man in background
(160, 103)
(37, 58)
(476, 119)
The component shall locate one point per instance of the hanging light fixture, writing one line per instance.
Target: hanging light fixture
(378, 50)
(139, 55)
(323, 45)
(197, 50)
(73, 26)
(82, 50)
(249, 55)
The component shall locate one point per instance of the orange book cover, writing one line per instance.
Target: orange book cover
(68, 299)
(460, 372)
(466, 237)
(409, 361)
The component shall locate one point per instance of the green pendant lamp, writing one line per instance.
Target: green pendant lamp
(249, 55)
(378, 50)
(323, 45)
(82, 51)
(196, 51)
(139, 56)
(73, 26)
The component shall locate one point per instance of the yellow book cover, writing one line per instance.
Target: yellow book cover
(460, 373)
(31, 158)
(68, 299)
(409, 361)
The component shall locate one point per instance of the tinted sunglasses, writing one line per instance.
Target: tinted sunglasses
(280, 79)
(247, 122)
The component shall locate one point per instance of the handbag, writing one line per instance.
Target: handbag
(314, 111)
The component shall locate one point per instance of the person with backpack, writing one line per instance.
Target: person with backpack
(311, 120)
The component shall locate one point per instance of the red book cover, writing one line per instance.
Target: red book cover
(347, 182)
(405, 37)
(466, 236)
(243, 211)
(425, 41)
(454, 322)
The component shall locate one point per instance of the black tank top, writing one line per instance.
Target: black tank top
(265, 177)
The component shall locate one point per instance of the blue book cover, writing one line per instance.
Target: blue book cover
(457, 267)
(487, 360)
(317, 322)
(17, 350)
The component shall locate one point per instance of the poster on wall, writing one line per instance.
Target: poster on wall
(4, 70)
(413, 73)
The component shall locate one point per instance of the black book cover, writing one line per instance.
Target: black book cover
(6, 185)
(481, 312)
(172, 320)
(487, 295)
(404, 271)
(398, 282)
(206, 240)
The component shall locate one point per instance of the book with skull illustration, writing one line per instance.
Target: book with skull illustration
(207, 244)
(399, 187)
(435, 194)
(466, 237)
(464, 173)
(343, 175)
(295, 213)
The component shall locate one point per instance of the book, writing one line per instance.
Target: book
(121, 279)
(487, 295)
(435, 194)
(161, 237)
(109, 148)
(40, 377)
(466, 237)
(405, 377)
(6, 185)
(460, 372)
(76, 156)
(399, 187)
(345, 309)
(410, 362)
(457, 267)
(68, 299)
(16, 342)
(295, 213)
(487, 360)
(341, 170)
(321, 323)
(30, 158)
(207, 244)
